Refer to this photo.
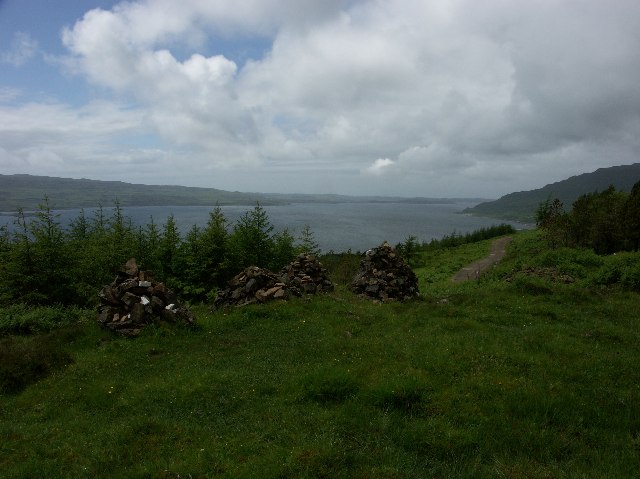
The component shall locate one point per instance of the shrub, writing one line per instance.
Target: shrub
(574, 262)
(622, 268)
(23, 362)
(22, 319)
(631, 277)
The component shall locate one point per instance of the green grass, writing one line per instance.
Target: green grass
(441, 265)
(521, 378)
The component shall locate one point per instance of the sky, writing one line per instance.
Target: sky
(456, 98)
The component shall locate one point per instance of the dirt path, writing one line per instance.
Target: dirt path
(473, 271)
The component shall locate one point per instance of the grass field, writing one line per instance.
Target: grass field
(518, 375)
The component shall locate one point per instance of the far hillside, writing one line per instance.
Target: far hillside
(522, 205)
(28, 191)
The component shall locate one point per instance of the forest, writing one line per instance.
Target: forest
(606, 221)
(41, 263)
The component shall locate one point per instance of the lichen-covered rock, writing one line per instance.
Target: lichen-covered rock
(384, 276)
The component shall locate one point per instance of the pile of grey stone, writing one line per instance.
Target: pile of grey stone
(134, 300)
(304, 275)
(384, 276)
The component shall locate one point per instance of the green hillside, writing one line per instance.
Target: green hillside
(522, 374)
(27, 191)
(521, 206)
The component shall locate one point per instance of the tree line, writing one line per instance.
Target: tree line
(43, 263)
(410, 248)
(607, 221)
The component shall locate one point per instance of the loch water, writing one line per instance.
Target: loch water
(336, 226)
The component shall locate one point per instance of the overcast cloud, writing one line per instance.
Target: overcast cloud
(400, 97)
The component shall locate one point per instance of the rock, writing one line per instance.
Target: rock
(272, 291)
(251, 285)
(135, 299)
(304, 275)
(108, 295)
(137, 313)
(130, 268)
(157, 305)
(383, 276)
(129, 299)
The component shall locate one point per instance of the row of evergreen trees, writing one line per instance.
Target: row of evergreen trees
(607, 221)
(43, 263)
(410, 248)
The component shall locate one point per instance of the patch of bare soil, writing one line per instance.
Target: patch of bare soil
(475, 269)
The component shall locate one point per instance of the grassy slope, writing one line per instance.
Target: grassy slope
(489, 379)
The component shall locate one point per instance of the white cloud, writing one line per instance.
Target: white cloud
(23, 48)
(9, 94)
(55, 138)
(380, 166)
(460, 92)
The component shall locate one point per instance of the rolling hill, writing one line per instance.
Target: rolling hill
(522, 205)
(27, 192)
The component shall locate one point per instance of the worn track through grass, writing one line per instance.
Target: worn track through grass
(473, 270)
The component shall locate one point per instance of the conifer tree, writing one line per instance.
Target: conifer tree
(213, 249)
(283, 250)
(632, 217)
(307, 243)
(251, 243)
(169, 247)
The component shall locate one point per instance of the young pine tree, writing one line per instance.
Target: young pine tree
(214, 250)
(39, 262)
(251, 243)
(307, 243)
(283, 250)
(169, 247)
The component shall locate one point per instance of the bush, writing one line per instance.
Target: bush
(25, 361)
(622, 268)
(574, 262)
(22, 319)
(631, 277)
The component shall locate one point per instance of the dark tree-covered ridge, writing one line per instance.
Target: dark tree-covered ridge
(522, 205)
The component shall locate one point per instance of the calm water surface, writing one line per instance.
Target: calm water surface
(337, 227)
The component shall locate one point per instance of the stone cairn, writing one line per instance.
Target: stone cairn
(304, 275)
(134, 300)
(384, 276)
